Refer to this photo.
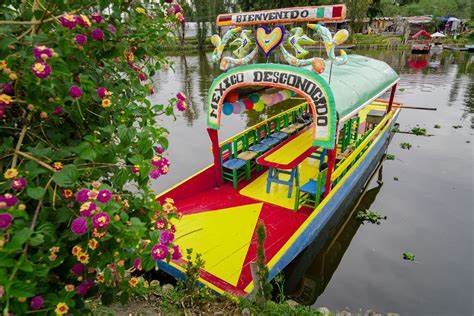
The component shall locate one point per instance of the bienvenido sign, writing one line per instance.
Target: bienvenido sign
(303, 82)
(303, 14)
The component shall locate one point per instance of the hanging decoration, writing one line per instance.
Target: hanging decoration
(244, 43)
(297, 39)
(220, 44)
(229, 62)
(331, 42)
(233, 104)
(269, 39)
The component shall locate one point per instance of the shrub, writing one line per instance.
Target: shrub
(78, 145)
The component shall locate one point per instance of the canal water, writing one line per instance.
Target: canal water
(427, 191)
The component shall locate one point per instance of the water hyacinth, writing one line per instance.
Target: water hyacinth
(100, 220)
(97, 34)
(18, 184)
(159, 252)
(75, 92)
(5, 220)
(42, 52)
(41, 69)
(81, 39)
(79, 226)
(36, 302)
(68, 20)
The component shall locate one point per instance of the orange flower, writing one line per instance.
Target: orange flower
(168, 207)
(98, 234)
(61, 308)
(54, 249)
(100, 278)
(76, 250)
(133, 282)
(83, 258)
(169, 200)
(69, 287)
(22, 299)
(10, 173)
(58, 166)
(93, 244)
(106, 103)
(121, 263)
(67, 194)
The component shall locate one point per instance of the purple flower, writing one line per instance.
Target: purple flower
(36, 302)
(166, 237)
(84, 287)
(137, 264)
(5, 220)
(97, 34)
(141, 76)
(7, 88)
(87, 208)
(41, 69)
(159, 150)
(58, 110)
(104, 196)
(75, 92)
(159, 252)
(18, 184)
(82, 195)
(79, 225)
(101, 92)
(176, 253)
(111, 29)
(42, 52)
(101, 220)
(155, 174)
(78, 269)
(96, 17)
(68, 20)
(81, 39)
(177, 8)
(83, 21)
(181, 105)
(9, 199)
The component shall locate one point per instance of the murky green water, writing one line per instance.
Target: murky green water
(430, 207)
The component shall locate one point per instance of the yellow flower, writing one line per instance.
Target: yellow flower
(52, 257)
(116, 217)
(83, 258)
(146, 284)
(3, 64)
(13, 76)
(133, 282)
(100, 278)
(69, 287)
(39, 67)
(76, 250)
(140, 10)
(106, 103)
(169, 200)
(58, 166)
(22, 299)
(5, 98)
(61, 308)
(21, 207)
(10, 173)
(93, 244)
(168, 207)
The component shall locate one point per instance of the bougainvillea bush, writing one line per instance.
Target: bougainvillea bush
(79, 144)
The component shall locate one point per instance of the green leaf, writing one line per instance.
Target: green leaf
(148, 263)
(66, 177)
(107, 297)
(124, 297)
(36, 193)
(19, 238)
(36, 239)
(22, 289)
(26, 266)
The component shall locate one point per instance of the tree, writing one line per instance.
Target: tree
(357, 12)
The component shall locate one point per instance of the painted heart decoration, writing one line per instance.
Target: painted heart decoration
(268, 39)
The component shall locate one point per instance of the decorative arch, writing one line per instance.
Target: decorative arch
(302, 81)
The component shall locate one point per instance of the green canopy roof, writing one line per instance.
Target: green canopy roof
(358, 82)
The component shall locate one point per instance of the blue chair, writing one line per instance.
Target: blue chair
(309, 194)
(233, 169)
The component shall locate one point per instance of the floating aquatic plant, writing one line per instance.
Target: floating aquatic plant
(408, 256)
(370, 216)
(405, 146)
(389, 156)
(419, 131)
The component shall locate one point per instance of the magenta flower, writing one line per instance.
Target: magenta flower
(111, 29)
(79, 225)
(181, 105)
(101, 92)
(96, 17)
(18, 184)
(135, 169)
(177, 8)
(7, 88)
(164, 162)
(159, 150)
(137, 264)
(78, 269)
(42, 52)
(81, 39)
(75, 92)
(87, 209)
(160, 224)
(142, 76)
(155, 174)
(58, 110)
(5, 220)
(101, 220)
(181, 96)
(9, 199)
(82, 195)
(104, 196)
(3, 203)
(159, 252)
(68, 20)
(176, 255)
(41, 69)
(83, 21)
(156, 161)
(97, 34)
(36, 302)
(84, 287)
(166, 237)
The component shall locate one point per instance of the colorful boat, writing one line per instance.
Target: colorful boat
(421, 42)
(294, 171)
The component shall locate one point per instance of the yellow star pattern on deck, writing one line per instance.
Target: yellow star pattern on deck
(221, 236)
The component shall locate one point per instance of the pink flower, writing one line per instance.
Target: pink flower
(166, 237)
(96, 17)
(176, 255)
(5, 220)
(159, 252)
(181, 105)
(156, 161)
(18, 184)
(58, 110)
(152, 90)
(75, 92)
(155, 174)
(111, 29)
(42, 52)
(104, 196)
(87, 209)
(177, 8)
(82, 195)
(81, 39)
(135, 169)
(78, 269)
(97, 34)
(181, 96)
(41, 69)
(101, 92)
(142, 76)
(68, 20)
(160, 224)
(8, 199)
(84, 287)
(36, 302)
(137, 264)
(79, 225)
(101, 220)
(83, 21)
(159, 150)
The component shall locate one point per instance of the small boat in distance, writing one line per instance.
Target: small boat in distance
(421, 42)
(296, 171)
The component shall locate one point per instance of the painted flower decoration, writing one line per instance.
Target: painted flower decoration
(42, 52)
(104, 196)
(36, 302)
(75, 92)
(81, 39)
(68, 20)
(159, 252)
(18, 184)
(41, 69)
(101, 220)
(97, 34)
(79, 225)
(5, 220)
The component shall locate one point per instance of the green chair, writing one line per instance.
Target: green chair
(241, 150)
(233, 169)
(309, 194)
(287, 126)
(275, 129)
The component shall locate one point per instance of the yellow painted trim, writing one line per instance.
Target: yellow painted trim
(323, 203)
